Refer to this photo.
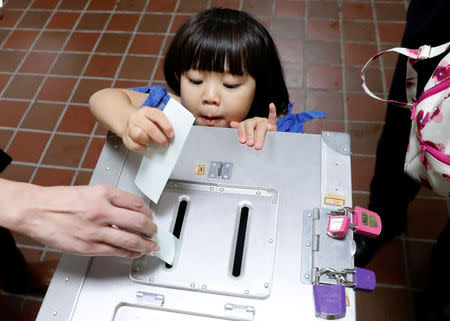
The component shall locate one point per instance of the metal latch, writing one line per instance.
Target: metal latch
(150, 298)
(239, 311)
(222, 170)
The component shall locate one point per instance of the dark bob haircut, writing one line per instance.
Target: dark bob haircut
(216, 37)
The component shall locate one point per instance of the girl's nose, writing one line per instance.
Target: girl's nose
(211, 96)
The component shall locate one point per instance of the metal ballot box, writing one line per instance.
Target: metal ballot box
(252, 230)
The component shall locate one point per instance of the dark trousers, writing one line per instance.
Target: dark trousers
(391, 190)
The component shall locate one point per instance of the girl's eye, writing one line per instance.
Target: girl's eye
(195, 82)
(230, 86)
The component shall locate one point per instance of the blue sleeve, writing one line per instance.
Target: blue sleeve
(157, 96)
(293, 123)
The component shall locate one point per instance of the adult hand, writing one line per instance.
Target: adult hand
(79, 219)
(143, 126)
(253, 130)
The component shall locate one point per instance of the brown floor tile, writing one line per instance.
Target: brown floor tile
(31, 255)
(356, 10)
(232, 4)
(53, 177)
(93, 21)
(162, 6)
(289, 8)
(44, 4)
(362, 172)
(34, 19)
(87, 87)
(4, 34)
(93, 152)
(258, 7)
(72, 4)
(388, 76)
(103, 66)
(57, 89)
(28, 146)
(18, 173)
(166, 44)
(123, 22)
(154, 23)
(51, 40)
(102, 5)
(320, 9)
(192, 5)
(65, 150)
(25, 240)
(321, 52)
(134, 5)
(178, 21)
(358, 31)
(23, 86)
(38, 62)
(137, 67)
(394, 272)
(362, 107)
(358, 54)
(129, 84)
(3, 81)
(418, 256)
(12, 112)
(83, 178)
(77, 119)
(326, 101)
(293, 75)
(296, 96)
(82, 41)
(159, 73)
(353, 79)
(113, 43)
(10, 60)
(17, 3)
(426, 218)
(316, 126)
(364, 137)
(288, 28)
(389, 59)
(69, 64)
(385, 304)
(30, 309)
(146, 44)
(21, 39)
(323, 77)
(10, 18)
(290, 50)
(323, 30)
(390, 11)
(101, 130)
(5, 136)
(391, 32)
(43, 116)
(63, 20)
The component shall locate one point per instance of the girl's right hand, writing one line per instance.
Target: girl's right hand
(145, 125)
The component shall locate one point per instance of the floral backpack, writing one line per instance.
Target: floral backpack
(428, 154)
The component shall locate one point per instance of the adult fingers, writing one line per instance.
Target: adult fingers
(126, 200)
(161, 120)
(104, 249)
(130, 220)
(126, 240)
(272, 118)
(260, 133)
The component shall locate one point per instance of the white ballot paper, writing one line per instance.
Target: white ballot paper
(158, 161)
(168, 245)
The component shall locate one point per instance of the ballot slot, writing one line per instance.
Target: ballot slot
(240, 241)
(227, 239)
(178, 226)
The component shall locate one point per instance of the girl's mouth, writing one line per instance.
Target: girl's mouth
(210, 121)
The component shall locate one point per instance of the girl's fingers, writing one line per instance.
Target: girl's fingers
(147, 131)
(260, 133)
(241, 133)
(234, 124)
(272, 118)
(160, 120)
(250, 132)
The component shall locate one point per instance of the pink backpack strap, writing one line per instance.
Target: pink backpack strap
(424, 52)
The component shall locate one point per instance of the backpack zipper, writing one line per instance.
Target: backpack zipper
(430, 92)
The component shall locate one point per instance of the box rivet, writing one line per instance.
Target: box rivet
(203, 286)
(270, 241)
(246, 291)
(306, 276)
(152, 279)
(55, 313)
(308, 244)
(211, 188)
(67, 279)
(258, 193)
(192, 285)
(266, 285)
(107, 169)
(309, 214)
(221, 189)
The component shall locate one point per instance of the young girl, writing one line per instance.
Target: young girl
(223, 66)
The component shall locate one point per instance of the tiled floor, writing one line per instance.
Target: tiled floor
(55, 53)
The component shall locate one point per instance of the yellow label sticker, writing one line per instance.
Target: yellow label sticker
(199, 170)
(347, 301)
(335, 200)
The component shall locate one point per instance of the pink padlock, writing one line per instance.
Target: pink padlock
(338, 226)
(366, 222)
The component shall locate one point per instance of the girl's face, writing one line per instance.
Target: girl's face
(216, 98)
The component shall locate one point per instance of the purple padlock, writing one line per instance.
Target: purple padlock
(329, 299)
(364, 279)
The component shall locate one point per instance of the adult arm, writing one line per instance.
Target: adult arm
(79, 219)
